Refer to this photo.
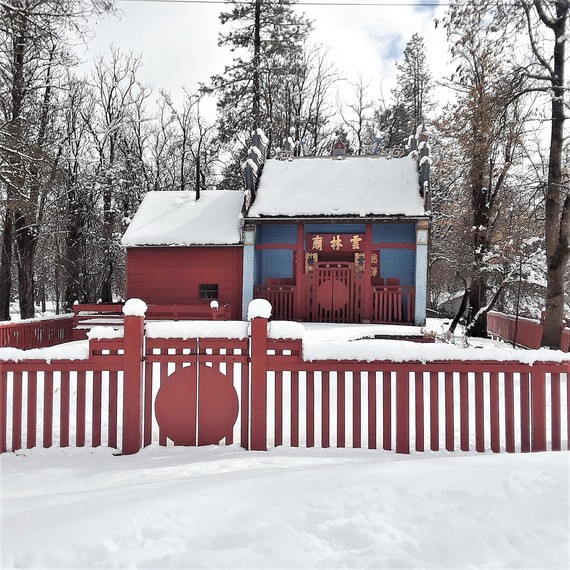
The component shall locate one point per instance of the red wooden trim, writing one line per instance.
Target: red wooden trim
(3, 408)
(48, 409)
(325, 417)
(555, 413)
(299, 266)
(356, 410)
(525, 411)
(17, 411)
(340, 410)
(32, 410)
(147, 405)
(275, 246)
(464, 410)
(367, 312)
(479, 412)
(113, 399)
(402, 412)
(294, 409)
(372, 442)
(538, 410)
(387, 410)
(96, 409)
(449, 418)
(310, 410)
(278, 408)
(419, 402)
(393, 245)
(229, 439)
(434, 410)
(509, 413)
(258, 421)
(494, 412)
(64, 410)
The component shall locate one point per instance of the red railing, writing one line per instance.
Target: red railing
(528, 332)
(393, 304)
(282, 299)
(36, 333)
(259, 392)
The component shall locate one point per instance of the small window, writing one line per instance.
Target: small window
(208, 291)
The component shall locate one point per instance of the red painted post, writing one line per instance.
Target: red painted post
(555, 413)
(258, 418)
(509, 413)
(278, 408)
(479, 412)
(525, 411)
(387, 410)
(372, 410)
(325, 417)
(310, 409)
(419, 395)
(538, 410)
(132, 384)
(449, 417)
(434, 410)
(48, 408)
(464, 410)
(494, 412)
(3, 409)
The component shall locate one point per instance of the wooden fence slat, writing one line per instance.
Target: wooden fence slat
(17, 411)
(538, 410)
(3, 408)
(340, 410)
(96, 409)
(294, 409)
(113, 404)
(524, 380)
(278, 408)
(449, 412)
(402, 412)
(64, 403)
(434, 410)
(387, 410)
(356, 410)
(494, 412)
(147, 404)
(509, 413)
(479, 412)
(419, 396)
(464, 410)
(325, 417)
(80, 409)
(48, 409)
(32, 406)
(310, 410)
(162, 379)
(372, 378)
(244, 401)
(555, 411)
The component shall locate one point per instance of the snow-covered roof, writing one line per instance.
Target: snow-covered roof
(354, 186)
(176, 218)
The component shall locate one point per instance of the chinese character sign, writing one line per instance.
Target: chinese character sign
(334, 242)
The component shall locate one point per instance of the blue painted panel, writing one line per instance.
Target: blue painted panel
(276, 263)
(401, 233)
(400, 263)
(335, 228)
(277, 233)
(257, 268)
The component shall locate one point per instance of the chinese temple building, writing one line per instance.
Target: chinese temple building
(324, 239)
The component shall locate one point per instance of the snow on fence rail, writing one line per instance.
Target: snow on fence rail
(210, 382)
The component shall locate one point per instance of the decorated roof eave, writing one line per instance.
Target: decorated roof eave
(174, 245)
(345, 218)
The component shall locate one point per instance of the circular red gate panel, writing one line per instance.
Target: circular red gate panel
(192, 411)
(332, 295)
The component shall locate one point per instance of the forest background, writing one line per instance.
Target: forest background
(80, 148)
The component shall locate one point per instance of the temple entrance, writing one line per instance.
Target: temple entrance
(334, 293)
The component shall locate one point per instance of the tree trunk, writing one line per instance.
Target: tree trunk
(557, 224)
(26, 241)
(6, 266)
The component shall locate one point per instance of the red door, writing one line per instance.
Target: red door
(333, 296)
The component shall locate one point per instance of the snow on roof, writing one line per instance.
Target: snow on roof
(176, 218)
(354, 186)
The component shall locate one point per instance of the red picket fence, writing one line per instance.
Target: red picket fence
(259, 392)
(36, 333)
(527, 331)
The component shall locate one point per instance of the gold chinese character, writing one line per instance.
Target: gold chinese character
(374, 271)
(336, 242)
(355, 241)
(318, 242)
(374, 259)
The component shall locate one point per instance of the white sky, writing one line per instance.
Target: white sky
(178, 40)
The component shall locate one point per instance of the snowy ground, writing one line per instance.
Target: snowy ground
(219, 507)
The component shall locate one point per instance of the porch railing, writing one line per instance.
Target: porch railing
(393, 304)
(36, 333)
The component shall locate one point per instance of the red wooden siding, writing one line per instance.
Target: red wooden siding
(172, 275)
